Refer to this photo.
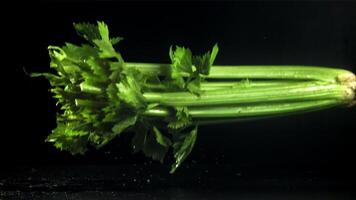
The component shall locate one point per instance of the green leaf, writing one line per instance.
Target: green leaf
(104, 43)
(204, 62)
(57, 53)
(120, 126)
(194, 86)
(98, 69)
(123, 124)
(181, 66)
(88, 31)
(115, 40)
(70, 137)
(181, 120)
(129, 91)
(181, 60)
(213, 55)
(152, 143)
(186, 69)
(79, 54)
(183, 144)
(161, 139)
(99, 35)
(103, 31)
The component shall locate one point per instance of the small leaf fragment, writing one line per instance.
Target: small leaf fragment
(183, 144)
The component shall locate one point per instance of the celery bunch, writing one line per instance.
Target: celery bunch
(101, 96)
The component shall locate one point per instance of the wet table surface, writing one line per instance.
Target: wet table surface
(92, 182)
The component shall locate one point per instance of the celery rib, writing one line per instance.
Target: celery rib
(293, 72)
(254, 110)
(304, 91)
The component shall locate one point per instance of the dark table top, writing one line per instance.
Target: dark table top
(133, 181)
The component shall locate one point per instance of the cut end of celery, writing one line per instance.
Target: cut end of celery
(350, 96)
(349, 80)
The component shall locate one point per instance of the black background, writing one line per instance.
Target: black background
(318, 145)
